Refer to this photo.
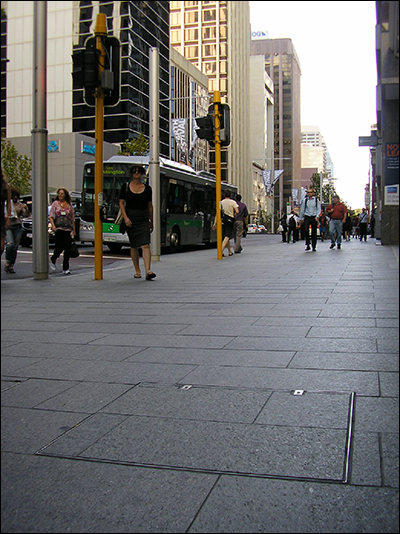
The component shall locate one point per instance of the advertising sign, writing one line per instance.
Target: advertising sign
(391, 163)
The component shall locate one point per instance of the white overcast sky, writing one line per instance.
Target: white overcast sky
(335, 44)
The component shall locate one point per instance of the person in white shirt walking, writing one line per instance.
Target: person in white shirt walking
(310, 211)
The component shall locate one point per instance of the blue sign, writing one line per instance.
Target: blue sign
(53, 146)
(88, 149)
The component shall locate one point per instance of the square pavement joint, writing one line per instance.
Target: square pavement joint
(243, 433)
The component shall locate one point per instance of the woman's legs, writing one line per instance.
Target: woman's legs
(146, 254)
(135, 259)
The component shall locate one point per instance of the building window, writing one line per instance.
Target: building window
(175, 19)
(209, 50)
(191, 34)
(191, 16)
(209, 15)
(191, 52)
(209, 33)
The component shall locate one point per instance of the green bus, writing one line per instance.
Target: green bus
(187, 202)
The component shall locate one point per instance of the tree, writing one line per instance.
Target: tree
(135, 147)
(328, 190)
(17, 168)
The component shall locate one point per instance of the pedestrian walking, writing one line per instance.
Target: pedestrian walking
(5, 209)
(372, 224)
(347, 228)
(283, 227)
(310, 210)
(14, 232)
(136, 204)
(363, 224)
(292, 222)
(62, 221)
(240, 223)
(356, 227)
(337, 212)
(323, 221)
(229, 209)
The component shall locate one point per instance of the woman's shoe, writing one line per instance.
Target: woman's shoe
(230, 253)
(9, 269)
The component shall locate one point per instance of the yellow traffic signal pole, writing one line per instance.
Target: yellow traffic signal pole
(217, 141)
(100, 30)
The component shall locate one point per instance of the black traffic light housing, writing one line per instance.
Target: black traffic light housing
(113, 65)
(224, 123)
(205, 128)
(86, 71)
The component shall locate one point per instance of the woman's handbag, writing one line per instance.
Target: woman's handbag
(119, 218)
(74, 251)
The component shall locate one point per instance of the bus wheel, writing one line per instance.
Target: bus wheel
(114, 247)
(175, 240)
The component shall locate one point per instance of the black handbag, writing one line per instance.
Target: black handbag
(122, 227)
(74, 251)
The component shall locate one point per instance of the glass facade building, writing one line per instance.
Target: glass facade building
(139, 26)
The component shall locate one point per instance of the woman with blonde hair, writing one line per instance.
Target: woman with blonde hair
(62, 220)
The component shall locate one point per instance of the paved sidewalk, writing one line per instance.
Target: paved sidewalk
(257, 393)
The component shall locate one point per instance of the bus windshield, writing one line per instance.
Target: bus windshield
(114, 176)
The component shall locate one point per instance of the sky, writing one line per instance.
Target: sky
(335, 44)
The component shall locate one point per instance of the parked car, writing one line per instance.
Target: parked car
(261, 229)
(252, 229)
(26, 239)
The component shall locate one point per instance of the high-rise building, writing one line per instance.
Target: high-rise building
(138, 26)
(385, 152)
(215, 37)
(283, 67)
(315, 154)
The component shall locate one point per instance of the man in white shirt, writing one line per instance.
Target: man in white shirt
(309, 212)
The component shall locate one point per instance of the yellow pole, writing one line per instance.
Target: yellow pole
(217, 100)
(100, 30)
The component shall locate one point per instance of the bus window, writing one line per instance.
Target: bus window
(176, 199)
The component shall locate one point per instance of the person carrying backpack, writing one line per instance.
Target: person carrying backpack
(292, 223)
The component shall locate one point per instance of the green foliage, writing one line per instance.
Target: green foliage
(17, 168)
(135, 147)
(328, 191)
(265, 219)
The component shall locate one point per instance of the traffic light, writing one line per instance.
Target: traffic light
(86, 70)
(224, 124)
(113, 66)
(205, 128)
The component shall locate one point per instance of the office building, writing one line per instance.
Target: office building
(283, 67)
(385, 141)
(262, 136)
(215, 37)
(70, 123)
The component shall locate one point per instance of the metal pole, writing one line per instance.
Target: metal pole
(40, 241)
(154, 161)
(217, 100)
(100, 30)
(273, 192)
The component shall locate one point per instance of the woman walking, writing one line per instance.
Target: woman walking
(137, 210)
(14, 232)
(62, 220)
